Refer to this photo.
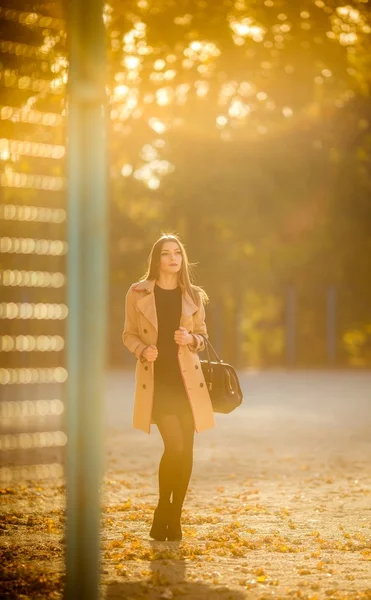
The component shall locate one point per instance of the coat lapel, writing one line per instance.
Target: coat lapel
(147, 304)
(188, 306)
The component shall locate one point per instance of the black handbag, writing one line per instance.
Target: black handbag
(222, 382)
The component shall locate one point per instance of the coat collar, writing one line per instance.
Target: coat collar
(147, 304)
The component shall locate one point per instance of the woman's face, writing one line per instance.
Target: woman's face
(170, 258)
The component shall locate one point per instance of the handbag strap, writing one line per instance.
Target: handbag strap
(207, 345)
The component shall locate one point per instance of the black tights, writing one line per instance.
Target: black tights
(176, 463)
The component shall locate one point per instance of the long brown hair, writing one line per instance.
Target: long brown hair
(185, 276)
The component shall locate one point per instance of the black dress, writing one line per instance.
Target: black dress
(169, 392)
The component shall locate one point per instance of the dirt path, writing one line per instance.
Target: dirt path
(279, 505)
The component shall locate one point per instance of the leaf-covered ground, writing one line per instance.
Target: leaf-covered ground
(279, 504)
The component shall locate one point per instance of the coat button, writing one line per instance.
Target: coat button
(196, 366)
(146, 368)
(201, 385)
(144, 386)
(144, 330)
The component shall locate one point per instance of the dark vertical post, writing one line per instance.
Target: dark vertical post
(87, 291)
(331, 325)
(290, 326)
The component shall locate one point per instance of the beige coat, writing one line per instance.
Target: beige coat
(141, 330)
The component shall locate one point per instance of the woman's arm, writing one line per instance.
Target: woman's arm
(130, 335)
(199, 330)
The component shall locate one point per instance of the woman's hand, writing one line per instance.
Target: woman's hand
(183, 338)
(150, 353)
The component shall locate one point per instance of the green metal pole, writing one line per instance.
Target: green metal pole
(87, 293)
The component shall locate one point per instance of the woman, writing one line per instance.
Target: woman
(165, 330)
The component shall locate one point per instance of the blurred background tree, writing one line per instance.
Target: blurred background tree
(245, 128)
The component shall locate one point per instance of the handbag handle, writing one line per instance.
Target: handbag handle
(207, 345)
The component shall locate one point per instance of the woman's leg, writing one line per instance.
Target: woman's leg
(177, 432)
(172, 435)
(175, 467)
(185, 466)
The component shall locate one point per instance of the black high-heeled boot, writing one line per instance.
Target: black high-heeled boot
(174, 528)
(158, 530)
